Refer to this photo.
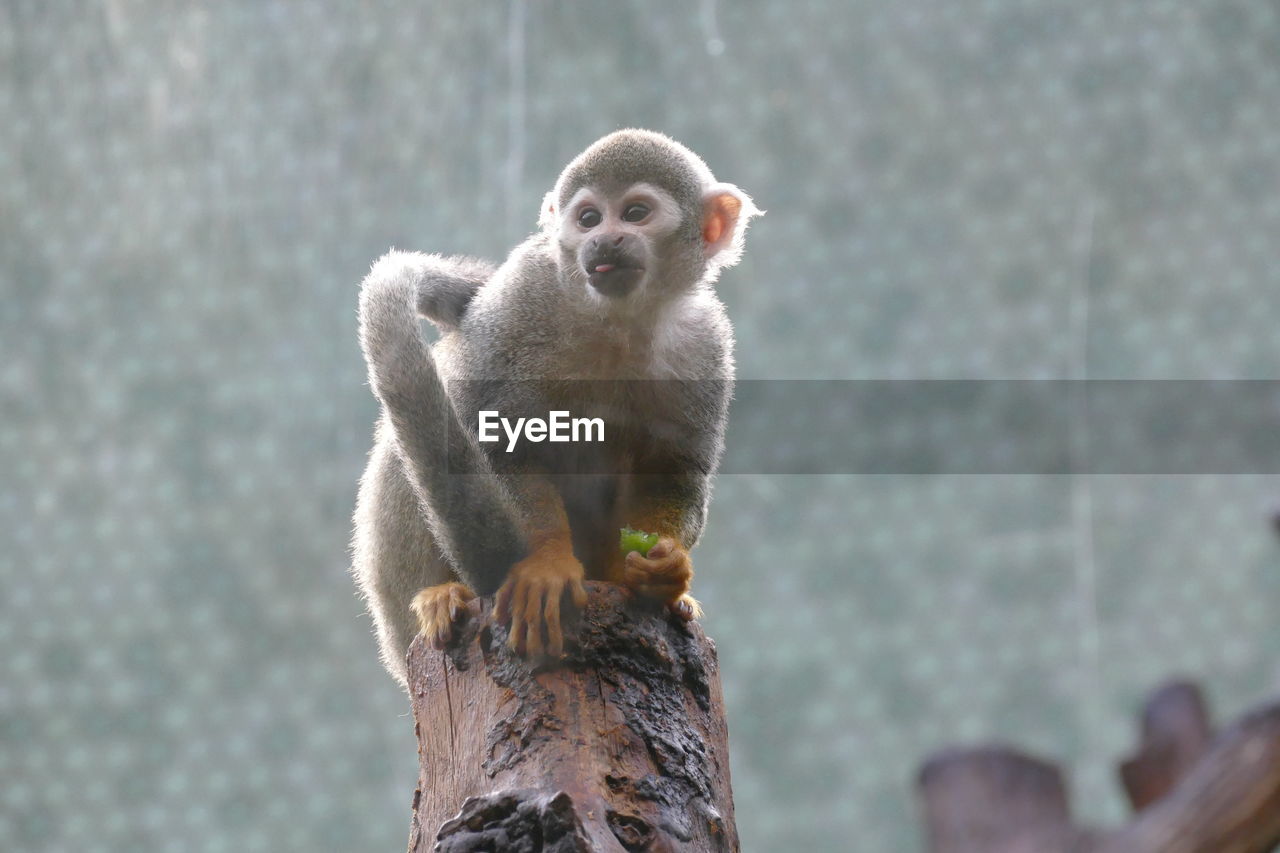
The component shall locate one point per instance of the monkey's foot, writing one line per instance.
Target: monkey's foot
(530, 600)
(665, 574)
(438, 609)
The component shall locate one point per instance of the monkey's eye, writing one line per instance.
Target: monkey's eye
(589, 217)
(635, 212)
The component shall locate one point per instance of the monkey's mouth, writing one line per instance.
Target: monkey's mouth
(614, 278)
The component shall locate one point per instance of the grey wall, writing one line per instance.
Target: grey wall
(189, 194)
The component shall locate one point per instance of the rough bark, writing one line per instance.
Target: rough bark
(621, 746)
(1197, 794)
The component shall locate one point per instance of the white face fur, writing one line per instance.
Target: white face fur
(643, 210)
(614, 239)
(619, 246)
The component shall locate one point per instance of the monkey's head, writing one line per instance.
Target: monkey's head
(639, 216)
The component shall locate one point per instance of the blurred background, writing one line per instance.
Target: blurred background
(1007, 189)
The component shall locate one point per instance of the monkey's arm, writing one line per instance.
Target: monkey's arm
(447, 284)
(532, 595)
(675, 508)
(671, 499)
(671, 505)
(471, 516)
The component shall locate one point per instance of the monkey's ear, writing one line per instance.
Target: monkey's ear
(726, 210)
(547, 218)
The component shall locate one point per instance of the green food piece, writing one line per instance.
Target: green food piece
(637, 540)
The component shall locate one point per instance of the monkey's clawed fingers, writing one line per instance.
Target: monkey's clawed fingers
(438, 608)
(664, 573)
(531, 598)
(687, 607)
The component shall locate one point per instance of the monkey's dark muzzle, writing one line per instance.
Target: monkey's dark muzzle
(613, 276)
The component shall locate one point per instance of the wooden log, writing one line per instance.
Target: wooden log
(995, 800)
(1175, 734)
(621, 746)
(1228, 803)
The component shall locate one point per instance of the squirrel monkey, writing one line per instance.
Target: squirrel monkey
(615, 285)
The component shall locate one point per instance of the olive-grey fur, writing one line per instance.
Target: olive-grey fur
(632, 156)
(431, 507)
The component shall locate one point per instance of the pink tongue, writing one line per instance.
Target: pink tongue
(604, 267)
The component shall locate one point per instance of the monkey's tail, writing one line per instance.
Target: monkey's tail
(471, 515)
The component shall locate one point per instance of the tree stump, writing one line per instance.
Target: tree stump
(622, 746)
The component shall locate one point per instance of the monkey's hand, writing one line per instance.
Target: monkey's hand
(665, 574)
(438, 609)
(531, 598)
